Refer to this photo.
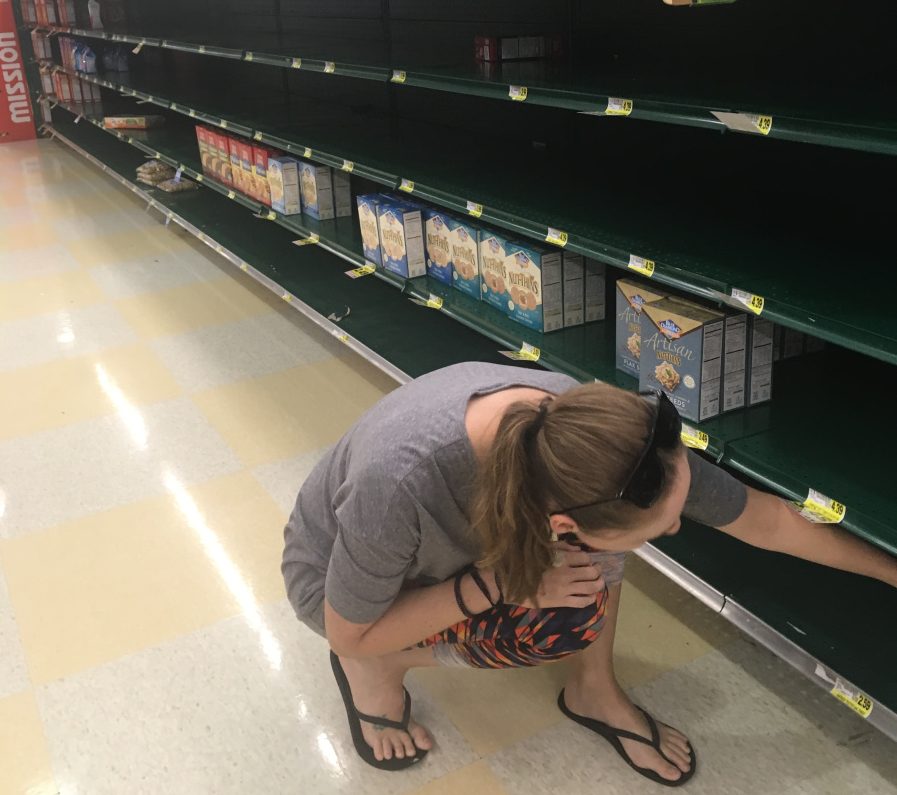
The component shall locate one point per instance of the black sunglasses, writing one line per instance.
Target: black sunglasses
(645, 483)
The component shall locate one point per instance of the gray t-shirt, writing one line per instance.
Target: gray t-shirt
(388, 505)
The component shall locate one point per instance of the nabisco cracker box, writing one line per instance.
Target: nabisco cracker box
(246, 165)
(439, 248)
(682, 354)
(370, 228)
(401, 238)
(465, 243)
(535, 286)
(202, 139)
(222, 154)
(316, 187)
(235, 169)
(260, 155)
(735, 361)
(595, 306)
(493, 270)
(283, 181)
(574, 290)
(759, 362)
(632, 296)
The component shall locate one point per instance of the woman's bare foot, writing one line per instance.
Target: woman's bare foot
(618, 711)
(377, 690)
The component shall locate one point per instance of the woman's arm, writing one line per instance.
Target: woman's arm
(771, 523)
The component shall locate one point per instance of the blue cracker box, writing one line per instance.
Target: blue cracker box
(535, 286)
(401, 237)
(439, 248)
(465, 243)
(370, 228)
(493, 270)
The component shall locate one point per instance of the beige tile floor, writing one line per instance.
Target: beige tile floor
(150, 452)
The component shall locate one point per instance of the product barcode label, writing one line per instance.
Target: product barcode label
(556, 236)
(307, 241)
(753, 302)
(527, 353)
(474, 209)
(518, 93)
(641, 265)
(364, 270)
(296, 63)
(329, 67)
(398, 76)
(617, 106)
(692, 437)
(407, 185)
(859, 702)
(819, 509)
(348, 166)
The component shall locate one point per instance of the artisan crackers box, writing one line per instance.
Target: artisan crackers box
(370, 228)
(465, 243)
(682, 354)
(535, 286)
(439, 247)
(283, 181)
(493, 270)
(631, 299)
(595, 306)
(735, 361)
(401, 238)
(574, 290)
(326, 193)
(759, 361)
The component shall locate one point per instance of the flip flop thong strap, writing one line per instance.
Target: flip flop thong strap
(390, 724)
(655, 732)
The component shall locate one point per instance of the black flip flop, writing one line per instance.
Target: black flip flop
(613, 736)
(355, 717)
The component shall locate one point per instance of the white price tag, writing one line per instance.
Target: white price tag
(248, 56)
(178, 174)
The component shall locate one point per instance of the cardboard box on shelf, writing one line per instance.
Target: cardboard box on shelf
(222, 157)
(149, 122)
(682, 354)
(735, 361)
(233, 148)
(342, 194)
(574, 289)
(260, 156)
(595, 307)
(401, 238)
(283, 181)
(493, 270)
(439, 250)
(316, 186)
(370, 228)
(632, 297)
(535, 286)
(759, 361)
(465, 243)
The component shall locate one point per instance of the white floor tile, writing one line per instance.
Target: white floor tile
(13, 671)
(140, 273)
(35, 263)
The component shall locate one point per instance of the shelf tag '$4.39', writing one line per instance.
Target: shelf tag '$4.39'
(527, 353)
(819, 509)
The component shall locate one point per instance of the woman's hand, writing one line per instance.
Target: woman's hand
(575, 582)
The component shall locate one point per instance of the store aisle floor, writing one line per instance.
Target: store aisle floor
(158, 413)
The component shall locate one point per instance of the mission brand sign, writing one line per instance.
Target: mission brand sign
(16, 113)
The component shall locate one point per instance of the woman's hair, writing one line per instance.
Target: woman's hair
(576, 448)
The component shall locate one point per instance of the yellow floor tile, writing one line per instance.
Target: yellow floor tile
(62, 392)
(30, 235)
(190, 307)
(68, 290)
(59, 207)
(294, 411)
(111, 249)
(24, 757)
(476, 779)
(116, 582)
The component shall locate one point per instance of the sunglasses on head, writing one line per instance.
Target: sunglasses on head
(645, 483)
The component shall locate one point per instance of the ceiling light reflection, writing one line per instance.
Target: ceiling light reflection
(226, 568)
(127, 411)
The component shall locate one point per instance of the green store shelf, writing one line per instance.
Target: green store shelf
(708, 232)
(653, 98)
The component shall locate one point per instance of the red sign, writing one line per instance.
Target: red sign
(16, 112)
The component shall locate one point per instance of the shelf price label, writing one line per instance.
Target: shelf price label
(756, 123)
(641, 265)
(407, 185)
(244, 266)
(329, 67)
(398, 76)
(617, 106)
(692, 437)
(202, 49)
(518, 93)
(474, 209)
(527, 353)
(248, 56)
(231, 195)
(308, 241)
(191, 113)
(287, 297)
(223, 124)
(858, 701)
(819, 509)
(306, 152)
(199, 177)
(754, 303)
(139, 47)
(365, 270)
(556, 237)
(257, 136)
(433, 302)
(348, 166)
(296, 63)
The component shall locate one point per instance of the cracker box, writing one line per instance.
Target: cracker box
(595, 307)
(631, 298)
(205, 155)
(283, 181)
(260, 155)
(316, 187)
(133, 122)
(759, 361)
(682, 354)
(574, 290)
(465, 243)
(246, 165)
(222, 153)
(235, 169)
(401, 238)
(735, 361)
(493, 270)
(370, 228)
(439, 248)
(342, 194)
(535, 286)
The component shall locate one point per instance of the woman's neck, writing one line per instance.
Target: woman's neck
(484, 413)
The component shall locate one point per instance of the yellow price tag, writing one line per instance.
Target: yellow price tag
(692, 437)
(557, 237)
(434, 302)
(223, 124)
(364, 270)
(248, 56)
(307, 241)
(518, 93)
(474, 209)
(287, 297)
(296, 63)
(753, 302)
(407, 185)
(270, 216)
(202, 48)
(199, 177)
(641, 265)
(231, 195)
(257, 136)
(191, 113)
(306, 152)
(762, 123)
(348, 166)
(819, 509)
(329, 67)
(244, 266)
(858, 701)
(398, 76)
(618, 107)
